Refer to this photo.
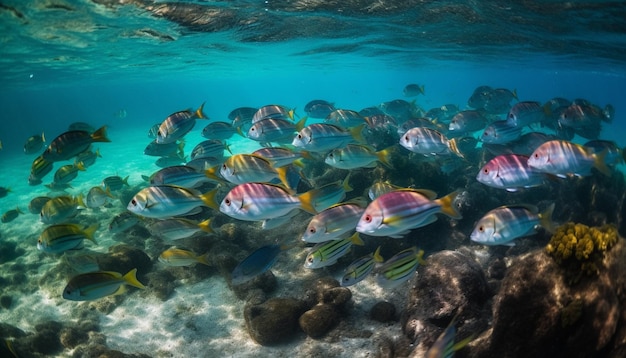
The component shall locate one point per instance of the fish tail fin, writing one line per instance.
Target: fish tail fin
(298, 162)
(199, 113)
(356, 239)
(227, 147)
(108, 193)
(422, 89)
(208, 199)
(292, 113)
(100, 135)
(211, 173)
(377, 256)
(301, 123)
(599, 162)
(131, 279)
(204, 259)
(125, 180)
(420, 257)
(514, 92)
(448, 206)
(206, 226)
(384, 156)
(452, 144)
(97, 153)
(306, 202)
(90, 231)
(346, 184)
(545, 219)
(43, 137)
(357, 133)
(282, 175)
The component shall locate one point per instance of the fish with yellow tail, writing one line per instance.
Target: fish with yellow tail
(322, 137)
(395, 213)
(94, 285)
(562, 158)
(423, 140)
(444, 346)
(164, 201)
(354, 156)
(360, 268)
(71, 143)
(180, 257)
(177, 124)
(327, 253)
(399, 268)
(504, 224)
(62, 237)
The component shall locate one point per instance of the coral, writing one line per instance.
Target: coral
(581, 247)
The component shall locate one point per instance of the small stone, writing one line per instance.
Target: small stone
(383, 312)
(319, 320)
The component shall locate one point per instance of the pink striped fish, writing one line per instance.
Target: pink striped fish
(562, 158)
(510, 172)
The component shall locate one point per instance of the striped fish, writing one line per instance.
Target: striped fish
(178, 228)
(562, 158)
(39, 169)
(122, 222)
(333, 223)
(218, 130)
(322, 137)
(273, 111)
(525, 113)
(501, 132)
(246, 168)
(400, 268)
(69, 144)
(345, 118)
(62, 237)
(179, 175)
(354, 156)
(67, 173)
(179, 257)
(327, 253)
(94, 285)
(502, 225)
(510, 172)
(395, 213)
(58, 209)
(423, 140)
(274, 130)
(279, 157)
(360, 268)
(211, 148)
(164, 201)
(177, 124)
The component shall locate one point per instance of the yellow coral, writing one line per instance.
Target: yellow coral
(581, 246)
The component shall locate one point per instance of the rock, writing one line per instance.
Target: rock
(71, 337)
(537, 313)
(383, 312)
(319, 320)
(450, 283)
(324, 284)
(336, 296)
(123, 258)
(274, 321)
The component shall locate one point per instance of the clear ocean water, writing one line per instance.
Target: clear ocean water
(129, 64)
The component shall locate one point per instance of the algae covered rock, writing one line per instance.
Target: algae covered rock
(317, 321)
(274, 321)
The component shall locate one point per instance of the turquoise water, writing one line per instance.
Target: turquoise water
(89, 61)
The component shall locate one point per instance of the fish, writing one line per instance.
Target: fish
(179, 228)
(177, 124)
(399, 268)
(179, 257)
(322, 137)
(613, 155)
(318, 108)
(280, 157)
(246, 168)
(36, 204)
(97, 197)
(39, 169)
(58, 209)
(504, 224)
(54, 186)
(327, 195)
(354, 156)
(164, 162)
(209, 148)
(34, 143)
(114, 183)
(152, 132)
(94, 285)
(179, 175)
(59, 238)
(395, 213)
(204, 163)
(428, 141)
(165, 201)
(334, 222)
(345, 118)
(273, 111)
(399, 109)
(526, 113)
(11, 215)
(258, 262)
(4, 191)
(67, 173)
(499, 100)
(262, 201)
(444, 346)
(412, 90)
(218, 130)
(479, 97)
(467, 121)
(510, 172)
(562, 158)
(241, 118)
(155, 149)
(122, 222)
(501, 132)
(584, 115)
(276, 130)
(327, 253)
(81, 126)
(87, 158)
(69, 144)
(360, 268)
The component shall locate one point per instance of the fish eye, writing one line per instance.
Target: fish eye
(227, 202)
(252, 129)
(481, 228)
(299, 136)
(312, 230)
(406, 138)
(486, 171)
(133, 202)
(536, 155)
(368, 218)
(310, 259)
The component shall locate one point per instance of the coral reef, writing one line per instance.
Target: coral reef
(581, 248)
